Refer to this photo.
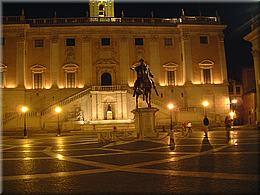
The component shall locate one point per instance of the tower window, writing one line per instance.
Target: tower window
(204, 39)
(38, 43)
(139, 41)
(105, 41)
(70, 42)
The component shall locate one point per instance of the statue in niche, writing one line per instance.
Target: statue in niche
(144, 83)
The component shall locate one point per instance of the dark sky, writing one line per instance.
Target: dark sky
(234, 15)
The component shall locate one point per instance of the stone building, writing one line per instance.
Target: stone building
(253, 37)
(83, 64)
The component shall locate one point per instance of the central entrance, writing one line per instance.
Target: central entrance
(106, 79)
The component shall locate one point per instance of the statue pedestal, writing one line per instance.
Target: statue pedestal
(145, 122)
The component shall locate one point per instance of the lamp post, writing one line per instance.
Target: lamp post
(170, 107)
(58, 111)
(24, 109)
(205, 104)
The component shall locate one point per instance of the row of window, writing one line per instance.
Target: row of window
(71, 78)
(38, 43)
(206, 77)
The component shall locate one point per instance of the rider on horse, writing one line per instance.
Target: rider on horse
(144, 81)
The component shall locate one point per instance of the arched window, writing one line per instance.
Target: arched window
(106, 79)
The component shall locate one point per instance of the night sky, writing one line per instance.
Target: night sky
(234, 15)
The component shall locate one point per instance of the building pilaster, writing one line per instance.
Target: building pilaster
(124, 66)
(20, 61)
(86, 61)
(54, 61)
(187, 58)
(155, 65)
(256, 56)
(222, 58)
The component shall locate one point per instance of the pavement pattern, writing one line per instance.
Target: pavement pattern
(78, 164)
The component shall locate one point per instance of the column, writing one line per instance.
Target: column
(94, 106)
(54, 61)
(155, 59)
(124, 66)
(222, 58)
(187, 58)
(20, 60)
(86, 61)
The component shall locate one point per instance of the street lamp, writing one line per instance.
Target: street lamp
(170, 107)
(24, 109)
(58, 111)
(205, 104)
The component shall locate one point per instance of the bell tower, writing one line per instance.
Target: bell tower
(101, 8)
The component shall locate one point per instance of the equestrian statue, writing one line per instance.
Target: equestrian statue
(144, 83)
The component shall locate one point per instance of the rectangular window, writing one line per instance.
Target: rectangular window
(171, 77)
(1, 79)
(230, 89)
(204, 40)
(105, 41)
(206, 76)
(237, 90)
(168, 42)
(38, 43)
(139, 41)
(37, 80)
(71, 80)
(2, 41)
(70, 42)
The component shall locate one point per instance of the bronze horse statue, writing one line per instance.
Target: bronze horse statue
(144, 83)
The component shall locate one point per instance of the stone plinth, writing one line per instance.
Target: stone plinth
(145, 121)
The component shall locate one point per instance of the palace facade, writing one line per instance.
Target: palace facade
(83, 65)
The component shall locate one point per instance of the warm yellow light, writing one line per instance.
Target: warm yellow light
(58, 109)
(234, 101)
(205, 103)
(170, 106)
(232, 114)
(24, 109)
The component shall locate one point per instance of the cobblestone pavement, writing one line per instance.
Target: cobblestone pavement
(79, 164)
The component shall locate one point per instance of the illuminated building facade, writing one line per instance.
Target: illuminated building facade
(83, 64)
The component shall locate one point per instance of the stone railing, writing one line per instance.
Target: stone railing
(109, 88)
(101, 20)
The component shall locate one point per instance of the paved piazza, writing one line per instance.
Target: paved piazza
(79, 164)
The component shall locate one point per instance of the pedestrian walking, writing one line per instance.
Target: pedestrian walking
(228, 123)
(206, 125)
(189, 127)
(172, 138)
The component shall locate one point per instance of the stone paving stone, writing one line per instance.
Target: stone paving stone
(240, 164)
(23, 154)
(84, 152)
(130, 183)
(126, 159)
(139, 145)
(31, 148)
(39, 166)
